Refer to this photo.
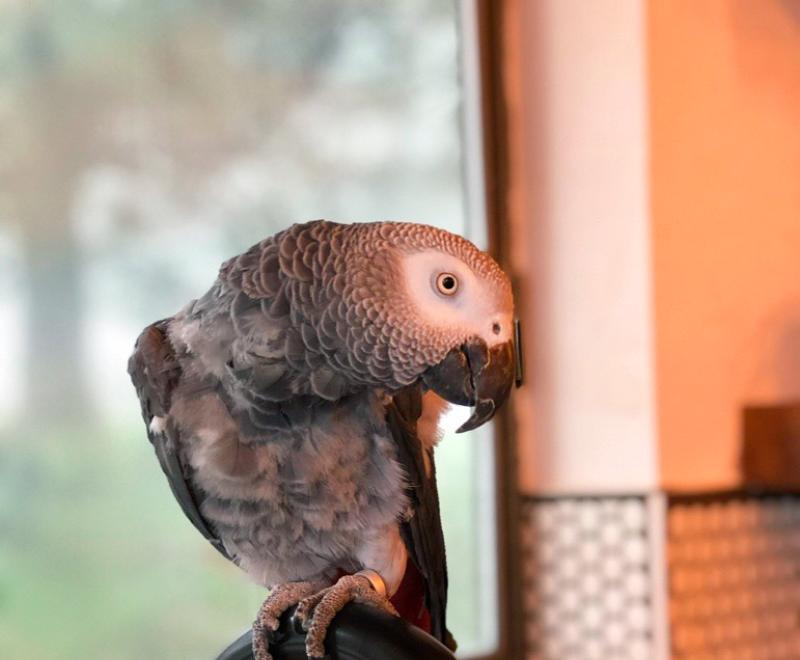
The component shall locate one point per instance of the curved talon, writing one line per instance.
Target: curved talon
(305, 608)
(316, 612)
(280, 599)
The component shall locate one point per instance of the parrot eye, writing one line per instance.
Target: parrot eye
(447, 284)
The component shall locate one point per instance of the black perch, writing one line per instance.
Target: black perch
(359, 632)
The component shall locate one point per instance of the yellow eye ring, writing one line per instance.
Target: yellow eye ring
(446, 283)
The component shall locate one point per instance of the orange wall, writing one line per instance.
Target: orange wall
(724, 88)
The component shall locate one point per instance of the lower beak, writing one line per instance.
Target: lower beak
(474, 375)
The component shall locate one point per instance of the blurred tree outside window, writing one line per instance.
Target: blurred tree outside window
(141, 144)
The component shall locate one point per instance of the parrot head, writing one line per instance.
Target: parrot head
(464, 295)
(387, 304)
(448, 310)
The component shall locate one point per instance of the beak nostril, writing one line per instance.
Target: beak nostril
(496, 328)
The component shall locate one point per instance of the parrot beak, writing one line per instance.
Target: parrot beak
(474, 375)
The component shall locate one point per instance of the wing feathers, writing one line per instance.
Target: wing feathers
(155, 372)
(422, 532)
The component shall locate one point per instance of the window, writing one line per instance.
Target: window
(144, 143)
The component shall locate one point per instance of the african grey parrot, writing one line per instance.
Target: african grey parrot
(293, 408)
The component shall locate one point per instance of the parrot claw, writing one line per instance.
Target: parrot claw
(280, 599)
(315, 612)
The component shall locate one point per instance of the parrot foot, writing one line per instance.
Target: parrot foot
(280, 599)
(316, 612)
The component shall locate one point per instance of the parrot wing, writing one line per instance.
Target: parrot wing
(422, 532)
(155, 372)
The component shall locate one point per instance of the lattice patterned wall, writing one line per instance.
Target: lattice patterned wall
(730, 563)
(734, 577)
(587, 579)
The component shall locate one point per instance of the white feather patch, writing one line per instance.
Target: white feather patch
(428, 428)
(158, 424)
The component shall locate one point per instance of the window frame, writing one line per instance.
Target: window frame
(486, 176)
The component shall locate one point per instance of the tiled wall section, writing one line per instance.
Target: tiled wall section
(731, 563)
(587, 579)
(734, 577)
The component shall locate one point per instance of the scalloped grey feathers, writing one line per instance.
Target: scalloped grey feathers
(336, 288)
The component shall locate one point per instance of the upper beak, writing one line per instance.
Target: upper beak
(474, 375)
